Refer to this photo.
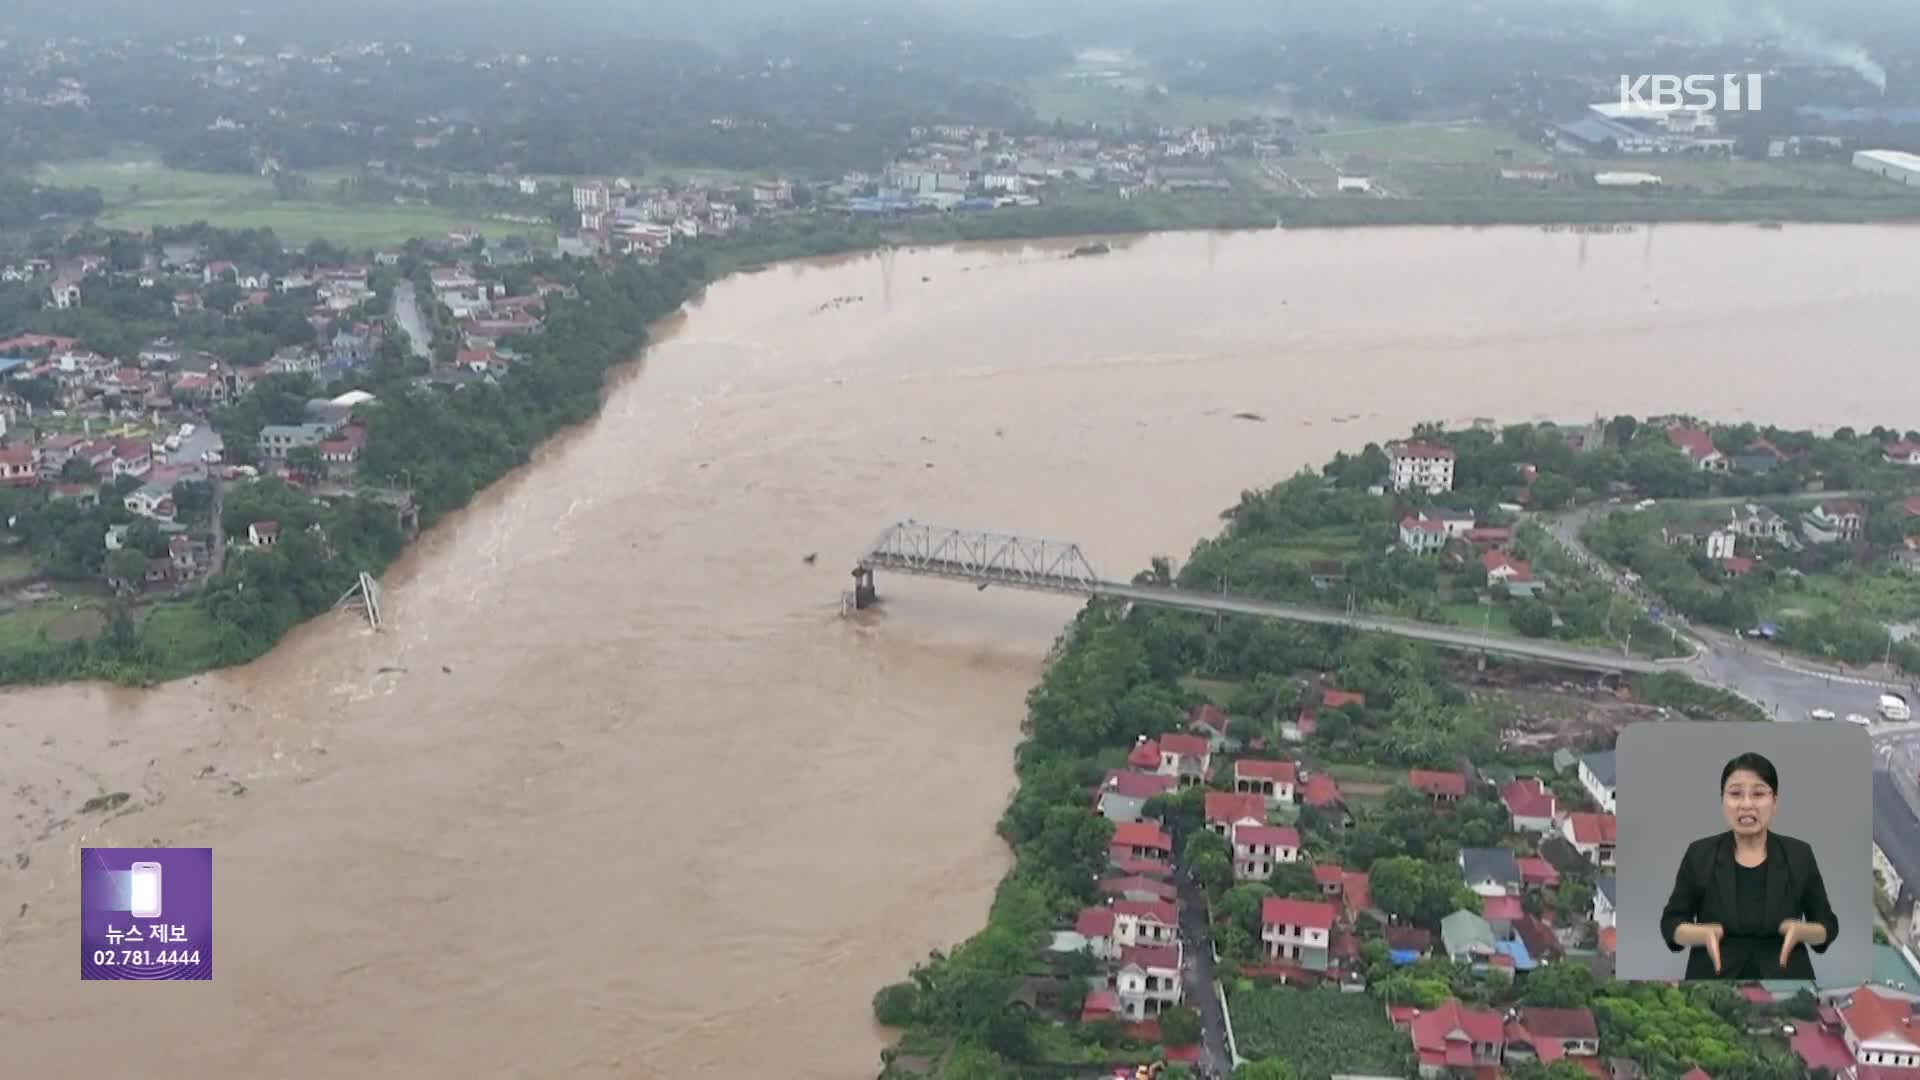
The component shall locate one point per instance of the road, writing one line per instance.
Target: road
(1790, 688)
(1436, 633)
(406, 311)
(218, 559)
(1196, 951)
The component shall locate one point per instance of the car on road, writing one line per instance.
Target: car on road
(1857, 718)
(1821, 714)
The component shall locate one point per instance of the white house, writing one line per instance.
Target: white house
(1603, 903)
(1530, 805)
(263, 534)
(1257, 849)
(1592, 835)
(1902, 453)
(1422, 535)
(1223, 810)
(1421, 466)
(150, 501)
(1144, 922)
(1880, 1032)
(1274, 781)
(1148, 981)
(64, 294)
(1596, 775)
(1185, 756)
(1297, 931)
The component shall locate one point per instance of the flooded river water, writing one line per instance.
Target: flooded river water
(618, 793)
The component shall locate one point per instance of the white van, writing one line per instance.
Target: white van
(1894, 708)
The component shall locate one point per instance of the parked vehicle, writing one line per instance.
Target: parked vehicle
(1861, 720)
(1822, 714)
(1894, 708)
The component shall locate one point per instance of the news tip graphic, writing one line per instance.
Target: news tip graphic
(146, 913)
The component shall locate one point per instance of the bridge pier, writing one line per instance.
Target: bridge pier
(1480, 662)
(864, 593)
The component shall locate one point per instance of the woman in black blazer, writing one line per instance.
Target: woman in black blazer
(1749, 902)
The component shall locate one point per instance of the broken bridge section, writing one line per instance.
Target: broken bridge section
(979, 556)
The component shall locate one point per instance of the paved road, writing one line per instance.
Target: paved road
(1791, 688)
(1197, 959)
(1528, 648)
(406, 310)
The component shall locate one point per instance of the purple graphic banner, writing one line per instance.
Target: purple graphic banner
(146, 913)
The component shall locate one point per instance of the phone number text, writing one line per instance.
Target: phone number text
(144, 957)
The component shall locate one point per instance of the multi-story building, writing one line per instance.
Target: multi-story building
(1258, 849)
(1147, 980)
(1297, 931)
(1421, 466)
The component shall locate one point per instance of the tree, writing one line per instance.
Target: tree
(896, 1005)
(1559, 986)
(306, 461)
(1209, 858)
(1551, 491)
(1414, 889)
(1294, 881)
(1532, 618)
(1180, 1026)
(128, 566)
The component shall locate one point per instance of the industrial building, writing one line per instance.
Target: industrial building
(1892, 164)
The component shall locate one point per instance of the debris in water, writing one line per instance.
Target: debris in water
(810, 556)
(928, 464)
(1253, 416)
(391, 670)
(445, 670)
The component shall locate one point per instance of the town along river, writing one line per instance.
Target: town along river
(618, 792)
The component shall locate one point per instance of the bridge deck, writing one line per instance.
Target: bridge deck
(1046, 566)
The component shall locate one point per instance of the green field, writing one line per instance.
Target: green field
(15, 562)
(1882, 592)
(1434, 143)
(300, 222)
(181, 632)
(1475, 616)
(140, 193)
(1320, 1032)
(49, 621)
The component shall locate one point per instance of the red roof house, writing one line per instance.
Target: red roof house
(1553, 1034)
(1335, 699)
(1454, 1036)
(1224, 809)
(1530, 805)
(1438, 786)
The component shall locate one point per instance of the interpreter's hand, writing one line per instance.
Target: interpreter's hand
(1713, 932)
(1793, 932)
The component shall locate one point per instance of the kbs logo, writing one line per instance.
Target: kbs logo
(1731, 93)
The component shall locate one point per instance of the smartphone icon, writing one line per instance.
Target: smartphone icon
(145, 878)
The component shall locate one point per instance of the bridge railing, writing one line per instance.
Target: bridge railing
(981, 556)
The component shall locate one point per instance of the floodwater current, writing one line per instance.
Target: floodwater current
(619, 793)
